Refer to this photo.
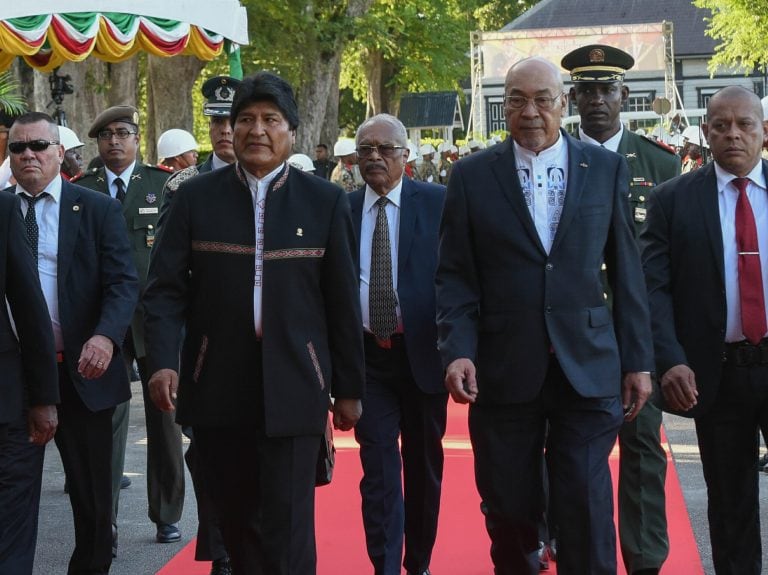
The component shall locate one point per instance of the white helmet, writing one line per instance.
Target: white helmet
(302, 162)
(68, 138)
(694, 135)
(426, 149)
(413, 152)
(175, 142)
(344, 147)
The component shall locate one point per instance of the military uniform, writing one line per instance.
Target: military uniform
(643, 463)
(141, 210)
(427, 172)
(343, 176)
(444, 170)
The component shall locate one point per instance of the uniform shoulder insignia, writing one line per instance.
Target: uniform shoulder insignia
(180, 177)
(159, 167)
(660, 145)
(84, 175)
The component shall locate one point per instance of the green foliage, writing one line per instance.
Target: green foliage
(11, 100)
(741, 26)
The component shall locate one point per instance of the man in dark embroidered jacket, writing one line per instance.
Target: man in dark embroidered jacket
(263, 278)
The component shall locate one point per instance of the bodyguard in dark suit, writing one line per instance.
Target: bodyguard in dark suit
(29, 392)
(258, 364)
(405, 395)
(597, 72)
(525, 332)
(139, 188)
(91, 288)
(705, 254)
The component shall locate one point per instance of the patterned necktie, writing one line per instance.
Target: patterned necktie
(30, 221)
(753, 322)
(120, 185)
(381, 292)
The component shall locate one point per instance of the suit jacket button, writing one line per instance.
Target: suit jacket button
(548, 309)
(549, 267)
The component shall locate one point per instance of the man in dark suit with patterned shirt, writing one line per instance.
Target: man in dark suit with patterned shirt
(599, 92)
(139, 188)
(258, 365)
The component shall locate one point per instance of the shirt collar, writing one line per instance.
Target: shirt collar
(551, 153)
(53, 189)
(724, 177)
(372, 197)
(611, 143)
(254, 182)
(125, 175)
(217, 162)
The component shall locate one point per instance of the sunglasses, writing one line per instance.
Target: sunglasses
(34, 145)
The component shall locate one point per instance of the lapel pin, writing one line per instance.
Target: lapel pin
(299, 232)
(631, 155)
(99, 179)
(136, 177)
(584, 165)
(75, 208)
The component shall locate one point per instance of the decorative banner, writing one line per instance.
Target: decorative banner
(47, 41)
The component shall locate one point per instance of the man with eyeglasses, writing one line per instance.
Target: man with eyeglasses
(526, 335)
(397, 221)
(90, 286)
(597, 72)
(139, 187)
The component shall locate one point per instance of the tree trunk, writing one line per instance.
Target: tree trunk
(319, 79)
(330, 131)
(373, 70)
(169, 97)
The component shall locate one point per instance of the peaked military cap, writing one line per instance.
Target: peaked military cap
(124, 113)
(597, 63)
(219, 92)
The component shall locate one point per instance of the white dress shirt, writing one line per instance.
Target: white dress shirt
(125, 175)
(727, 197)
(259, 189)
(367, 225)
(217, 162)
(611, 143)
(47, 217)
(543, 178)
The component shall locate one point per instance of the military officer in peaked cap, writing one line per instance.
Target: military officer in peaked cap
(139, 187)
(597, 73)
(218, 92)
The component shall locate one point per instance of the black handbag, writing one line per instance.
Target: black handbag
(326, 459)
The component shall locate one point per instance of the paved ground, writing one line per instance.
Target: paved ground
(140, 555)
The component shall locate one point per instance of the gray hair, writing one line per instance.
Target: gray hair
(401, 134)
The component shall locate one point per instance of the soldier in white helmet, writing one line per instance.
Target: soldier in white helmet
(177, 149)
(344, 173)
(73, 160)
(302, 162)
(428, 170)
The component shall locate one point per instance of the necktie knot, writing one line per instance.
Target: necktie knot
(382, 202)
(741, 184)
(120, 186)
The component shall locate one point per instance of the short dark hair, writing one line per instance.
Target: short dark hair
(34, 117)
(266, 86)
(322, 146)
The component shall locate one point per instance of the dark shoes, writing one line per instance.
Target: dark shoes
(221, 567)
(651, 571)
(125, 482)
(167, 533)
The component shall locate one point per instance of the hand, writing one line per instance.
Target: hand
(95, 357)
(163, 386)
(460, 380)
(42, 422)
(678, 385)
(346, 413)
(636, 389)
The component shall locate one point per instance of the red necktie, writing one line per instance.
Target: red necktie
(750, 276)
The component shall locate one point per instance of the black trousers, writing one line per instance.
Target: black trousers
(579, 434)
(728, 444)
(84, 440)
(263, 491)
(21, 471)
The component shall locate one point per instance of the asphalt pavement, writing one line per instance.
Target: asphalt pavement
(139, 554)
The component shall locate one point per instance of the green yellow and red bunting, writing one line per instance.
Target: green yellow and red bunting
(47, 41)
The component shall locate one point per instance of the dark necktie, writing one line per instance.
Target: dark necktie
(750, 275)
(30, 221)
(120, 185)
(381, 292)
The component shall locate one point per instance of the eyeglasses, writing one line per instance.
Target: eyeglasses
(541, 102)
(384, 150)
(34, 145)
(119, 134)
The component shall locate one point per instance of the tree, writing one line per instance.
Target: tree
(11, 101)
(742, 28)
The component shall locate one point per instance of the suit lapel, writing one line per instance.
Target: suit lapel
(69, 222)
(409, 199)
(356, 207)
(504, 168)
(704, 183)
(578, 168)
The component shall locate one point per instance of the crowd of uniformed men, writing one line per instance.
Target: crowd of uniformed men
(542, 279)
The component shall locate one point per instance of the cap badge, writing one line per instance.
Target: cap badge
(596, 56)
(224, 94)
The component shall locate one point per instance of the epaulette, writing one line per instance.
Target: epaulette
(81, 175)
(159, 167)
(180, 177)
(661, 145)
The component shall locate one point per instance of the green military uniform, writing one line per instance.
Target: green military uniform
(444, 170)
(643, 461)
(344, 177)
(427, 172)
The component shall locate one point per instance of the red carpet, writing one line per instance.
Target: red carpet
(462, 543)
